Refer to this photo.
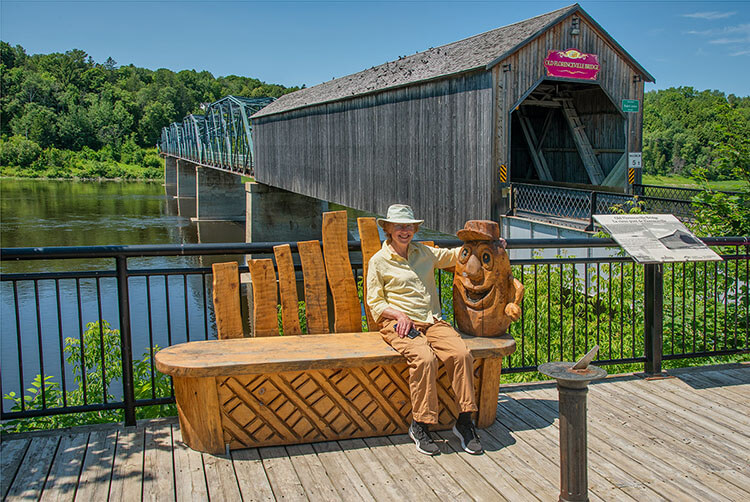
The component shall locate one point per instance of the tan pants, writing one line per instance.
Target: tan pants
(438, 341)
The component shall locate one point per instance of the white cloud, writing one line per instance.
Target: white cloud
(703, 33)
(741, 53)
(710, 15)
(727, 30)
(728, 41)
(738, 36)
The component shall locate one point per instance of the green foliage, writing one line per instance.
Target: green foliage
(19, 151)
(569, 308)
(24, 158)
(685, 130)
(301, 314)
(67, 101)
(720, 214)
(97, 365)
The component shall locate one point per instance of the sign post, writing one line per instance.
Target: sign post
(655, 239)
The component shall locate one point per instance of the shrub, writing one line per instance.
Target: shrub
(18, 151)
(97, 367)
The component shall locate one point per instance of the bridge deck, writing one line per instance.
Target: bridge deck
(681, 438)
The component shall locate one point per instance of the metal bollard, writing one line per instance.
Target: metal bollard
(572, 386)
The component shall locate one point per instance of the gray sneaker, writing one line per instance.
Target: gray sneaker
(421, 437)
(465, 431)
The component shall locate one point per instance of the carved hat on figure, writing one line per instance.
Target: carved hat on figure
(399, 214)
(486, 296)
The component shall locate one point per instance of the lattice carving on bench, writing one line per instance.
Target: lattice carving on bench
(320, 405)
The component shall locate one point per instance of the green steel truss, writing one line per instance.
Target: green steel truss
(222, 138)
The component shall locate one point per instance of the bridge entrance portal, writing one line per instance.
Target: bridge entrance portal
(568, 133)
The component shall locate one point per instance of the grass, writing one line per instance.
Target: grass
(681, 181)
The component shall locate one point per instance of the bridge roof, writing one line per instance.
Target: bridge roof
(481, 51)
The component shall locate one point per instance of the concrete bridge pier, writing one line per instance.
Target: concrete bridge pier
(186, 186)
(186, 189)
(220, 206)
(276, 215)
(170, 176)
(220, 196)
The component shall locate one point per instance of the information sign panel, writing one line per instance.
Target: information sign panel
(655, 238)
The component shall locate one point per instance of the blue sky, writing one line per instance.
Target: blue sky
(702, 44)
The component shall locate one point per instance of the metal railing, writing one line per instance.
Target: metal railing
(567, 204)
(674, 193)
(636, 313)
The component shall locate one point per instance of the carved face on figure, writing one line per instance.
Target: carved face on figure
(485, 294)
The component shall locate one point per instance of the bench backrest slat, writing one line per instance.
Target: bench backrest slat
(370, 242)
(226, 295)
(348, 310)
(287, 290)
(314, 275)
(265, 299)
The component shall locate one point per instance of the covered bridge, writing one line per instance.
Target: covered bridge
(447, 129)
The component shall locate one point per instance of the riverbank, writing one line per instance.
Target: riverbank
(22, 158)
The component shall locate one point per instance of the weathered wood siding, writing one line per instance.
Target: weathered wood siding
(616, 78)
(427, 145)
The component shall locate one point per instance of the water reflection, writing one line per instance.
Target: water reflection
(164, 309)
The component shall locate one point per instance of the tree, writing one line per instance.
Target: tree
(728, 214)
(110, 64)
(156, 116)
(18, 151)
(682, 128)
(79, 103)
(38, 123)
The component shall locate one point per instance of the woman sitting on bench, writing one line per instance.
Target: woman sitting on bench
(403, 297)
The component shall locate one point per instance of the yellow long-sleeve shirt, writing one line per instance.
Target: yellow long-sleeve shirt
(407, 285)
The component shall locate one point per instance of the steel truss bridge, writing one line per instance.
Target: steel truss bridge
(221, 138)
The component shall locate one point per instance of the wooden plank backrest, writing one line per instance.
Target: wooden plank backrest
(314, 274)
(287, 290)
(265, 299)
(348, 310)
(226, 295)
(369, 239)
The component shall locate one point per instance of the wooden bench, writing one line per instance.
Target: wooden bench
(269, 390)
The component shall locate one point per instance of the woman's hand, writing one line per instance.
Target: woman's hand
(403, 323)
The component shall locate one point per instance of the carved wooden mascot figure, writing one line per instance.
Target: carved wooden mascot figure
(486, 296)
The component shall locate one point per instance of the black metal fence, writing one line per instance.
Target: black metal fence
(62, 356)
(675, 193)
(570, 204)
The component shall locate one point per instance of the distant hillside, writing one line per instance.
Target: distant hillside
(69, 101)
(685, 131)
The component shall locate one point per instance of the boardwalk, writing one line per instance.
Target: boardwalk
(680, 438)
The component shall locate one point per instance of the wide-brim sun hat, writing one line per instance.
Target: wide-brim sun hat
(400, 214)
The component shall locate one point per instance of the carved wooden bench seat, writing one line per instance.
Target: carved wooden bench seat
(274, 390)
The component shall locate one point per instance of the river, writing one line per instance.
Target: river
(37, 213)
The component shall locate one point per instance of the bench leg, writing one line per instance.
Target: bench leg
(198, 409)
(489, 386)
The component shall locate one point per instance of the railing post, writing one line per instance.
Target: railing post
(654, 317)
(592, 210)
(126, 346)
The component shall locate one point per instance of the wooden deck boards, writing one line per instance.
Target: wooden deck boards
(681, 438)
